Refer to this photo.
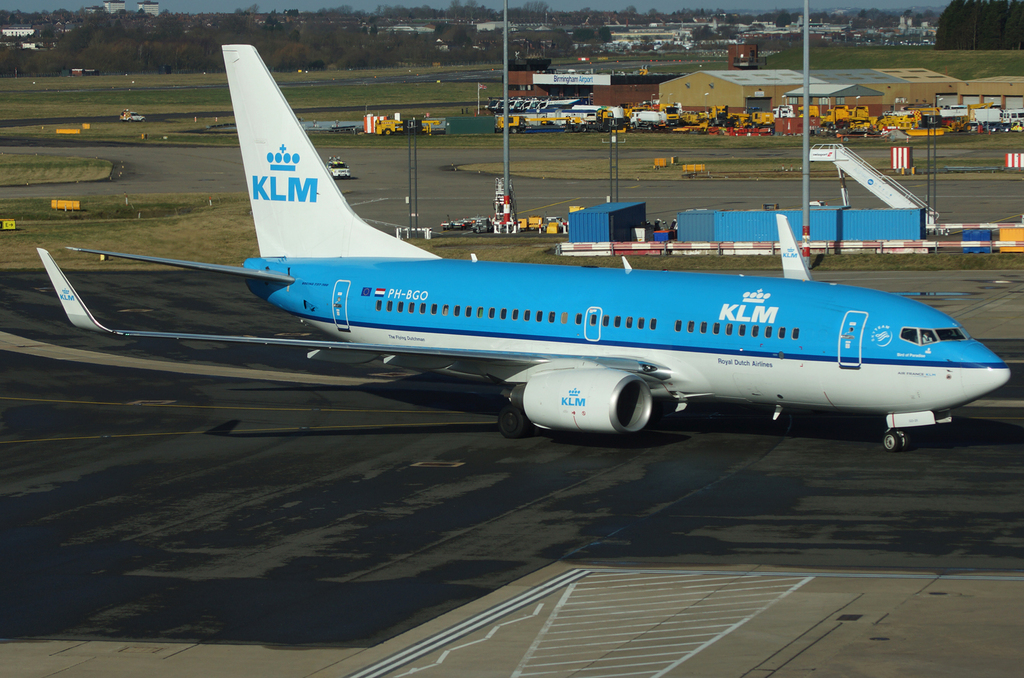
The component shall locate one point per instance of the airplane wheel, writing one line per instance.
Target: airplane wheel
(904, 440)
(512, 423)
(894, 440)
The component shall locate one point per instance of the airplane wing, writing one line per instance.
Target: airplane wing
(415, 357)
(241, 271)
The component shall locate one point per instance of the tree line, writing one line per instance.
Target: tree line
(981, 24)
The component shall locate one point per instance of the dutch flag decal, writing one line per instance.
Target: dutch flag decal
(379, 292)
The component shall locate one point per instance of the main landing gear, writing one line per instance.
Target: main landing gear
(895, 440)
(513, 423)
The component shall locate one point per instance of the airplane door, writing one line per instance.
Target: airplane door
(850, 335)
(592, 324)
(339, 304)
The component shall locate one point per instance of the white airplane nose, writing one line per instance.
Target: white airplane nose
(983, 371)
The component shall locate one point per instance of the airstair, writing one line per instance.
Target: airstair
(885, 189)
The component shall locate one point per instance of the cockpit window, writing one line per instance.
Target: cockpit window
(924, 337)
(951, 334)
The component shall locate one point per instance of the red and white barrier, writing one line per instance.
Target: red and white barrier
(902, 157)
(1015, 160)
(595, 249)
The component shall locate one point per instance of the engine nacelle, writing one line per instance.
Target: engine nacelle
(595, 400)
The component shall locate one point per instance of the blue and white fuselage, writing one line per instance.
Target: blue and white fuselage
(761, 340)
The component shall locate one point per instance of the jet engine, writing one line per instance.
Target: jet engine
(595, 400)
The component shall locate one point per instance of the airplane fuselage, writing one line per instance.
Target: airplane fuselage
(760, 340)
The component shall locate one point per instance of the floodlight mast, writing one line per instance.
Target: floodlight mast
(506, 211)
(806, 177)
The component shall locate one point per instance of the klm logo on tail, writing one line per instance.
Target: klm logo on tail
(298, 189)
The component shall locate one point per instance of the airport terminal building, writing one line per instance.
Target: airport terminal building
(879, 89)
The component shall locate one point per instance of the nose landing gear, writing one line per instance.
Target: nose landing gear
(895, 440)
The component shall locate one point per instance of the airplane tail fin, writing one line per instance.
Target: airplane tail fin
(298, 209)
(793, 264)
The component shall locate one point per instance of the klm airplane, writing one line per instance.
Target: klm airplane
(579, 349)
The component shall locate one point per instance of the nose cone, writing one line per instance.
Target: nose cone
(983, 371)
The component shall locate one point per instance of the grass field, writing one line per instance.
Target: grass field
(25, 170)
(220, 231)
(177, 226)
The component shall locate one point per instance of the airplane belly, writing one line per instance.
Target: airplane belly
(893, 388)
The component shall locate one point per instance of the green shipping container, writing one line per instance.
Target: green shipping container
(469, 125)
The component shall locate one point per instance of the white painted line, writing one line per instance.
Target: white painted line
(439, 640)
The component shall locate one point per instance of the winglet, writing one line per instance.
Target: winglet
(793, 264)
(78, 314)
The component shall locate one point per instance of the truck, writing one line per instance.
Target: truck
(132, 116)
(644, 119)
(338, 168)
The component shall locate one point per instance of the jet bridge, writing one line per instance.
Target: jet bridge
(885, 189)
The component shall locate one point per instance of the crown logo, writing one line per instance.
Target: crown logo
(283, 161)
(757, 297)
(574, 392)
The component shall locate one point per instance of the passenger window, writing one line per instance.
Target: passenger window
(605, 320)
(433, 309)
(423, 309)
(754, 330)
(490, 313)
(782, 333)
(689, 327)
(743, 330)
(714, 328)
(515, 314)
(551, 316)
(629, 321)
(401, 306)
(618, 320)
(679, 325)
(565, 317)
(540, 316)
(444, 310)
(654, 323)
(504, 314)
(526, 314)
(640, 323)
(457, 308)
(728, 329)
(593, 319)
(390, 305)
(796, 332)
(479, 311)
(379, 304)
(768, 332)
(704, 327)
(579, 318)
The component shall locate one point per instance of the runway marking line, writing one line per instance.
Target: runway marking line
(304, 429)
(138, 403)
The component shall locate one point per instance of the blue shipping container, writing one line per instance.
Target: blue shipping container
(886, 224)
(761, 225)
(695, 226)
(977, 235)
(610, 222)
